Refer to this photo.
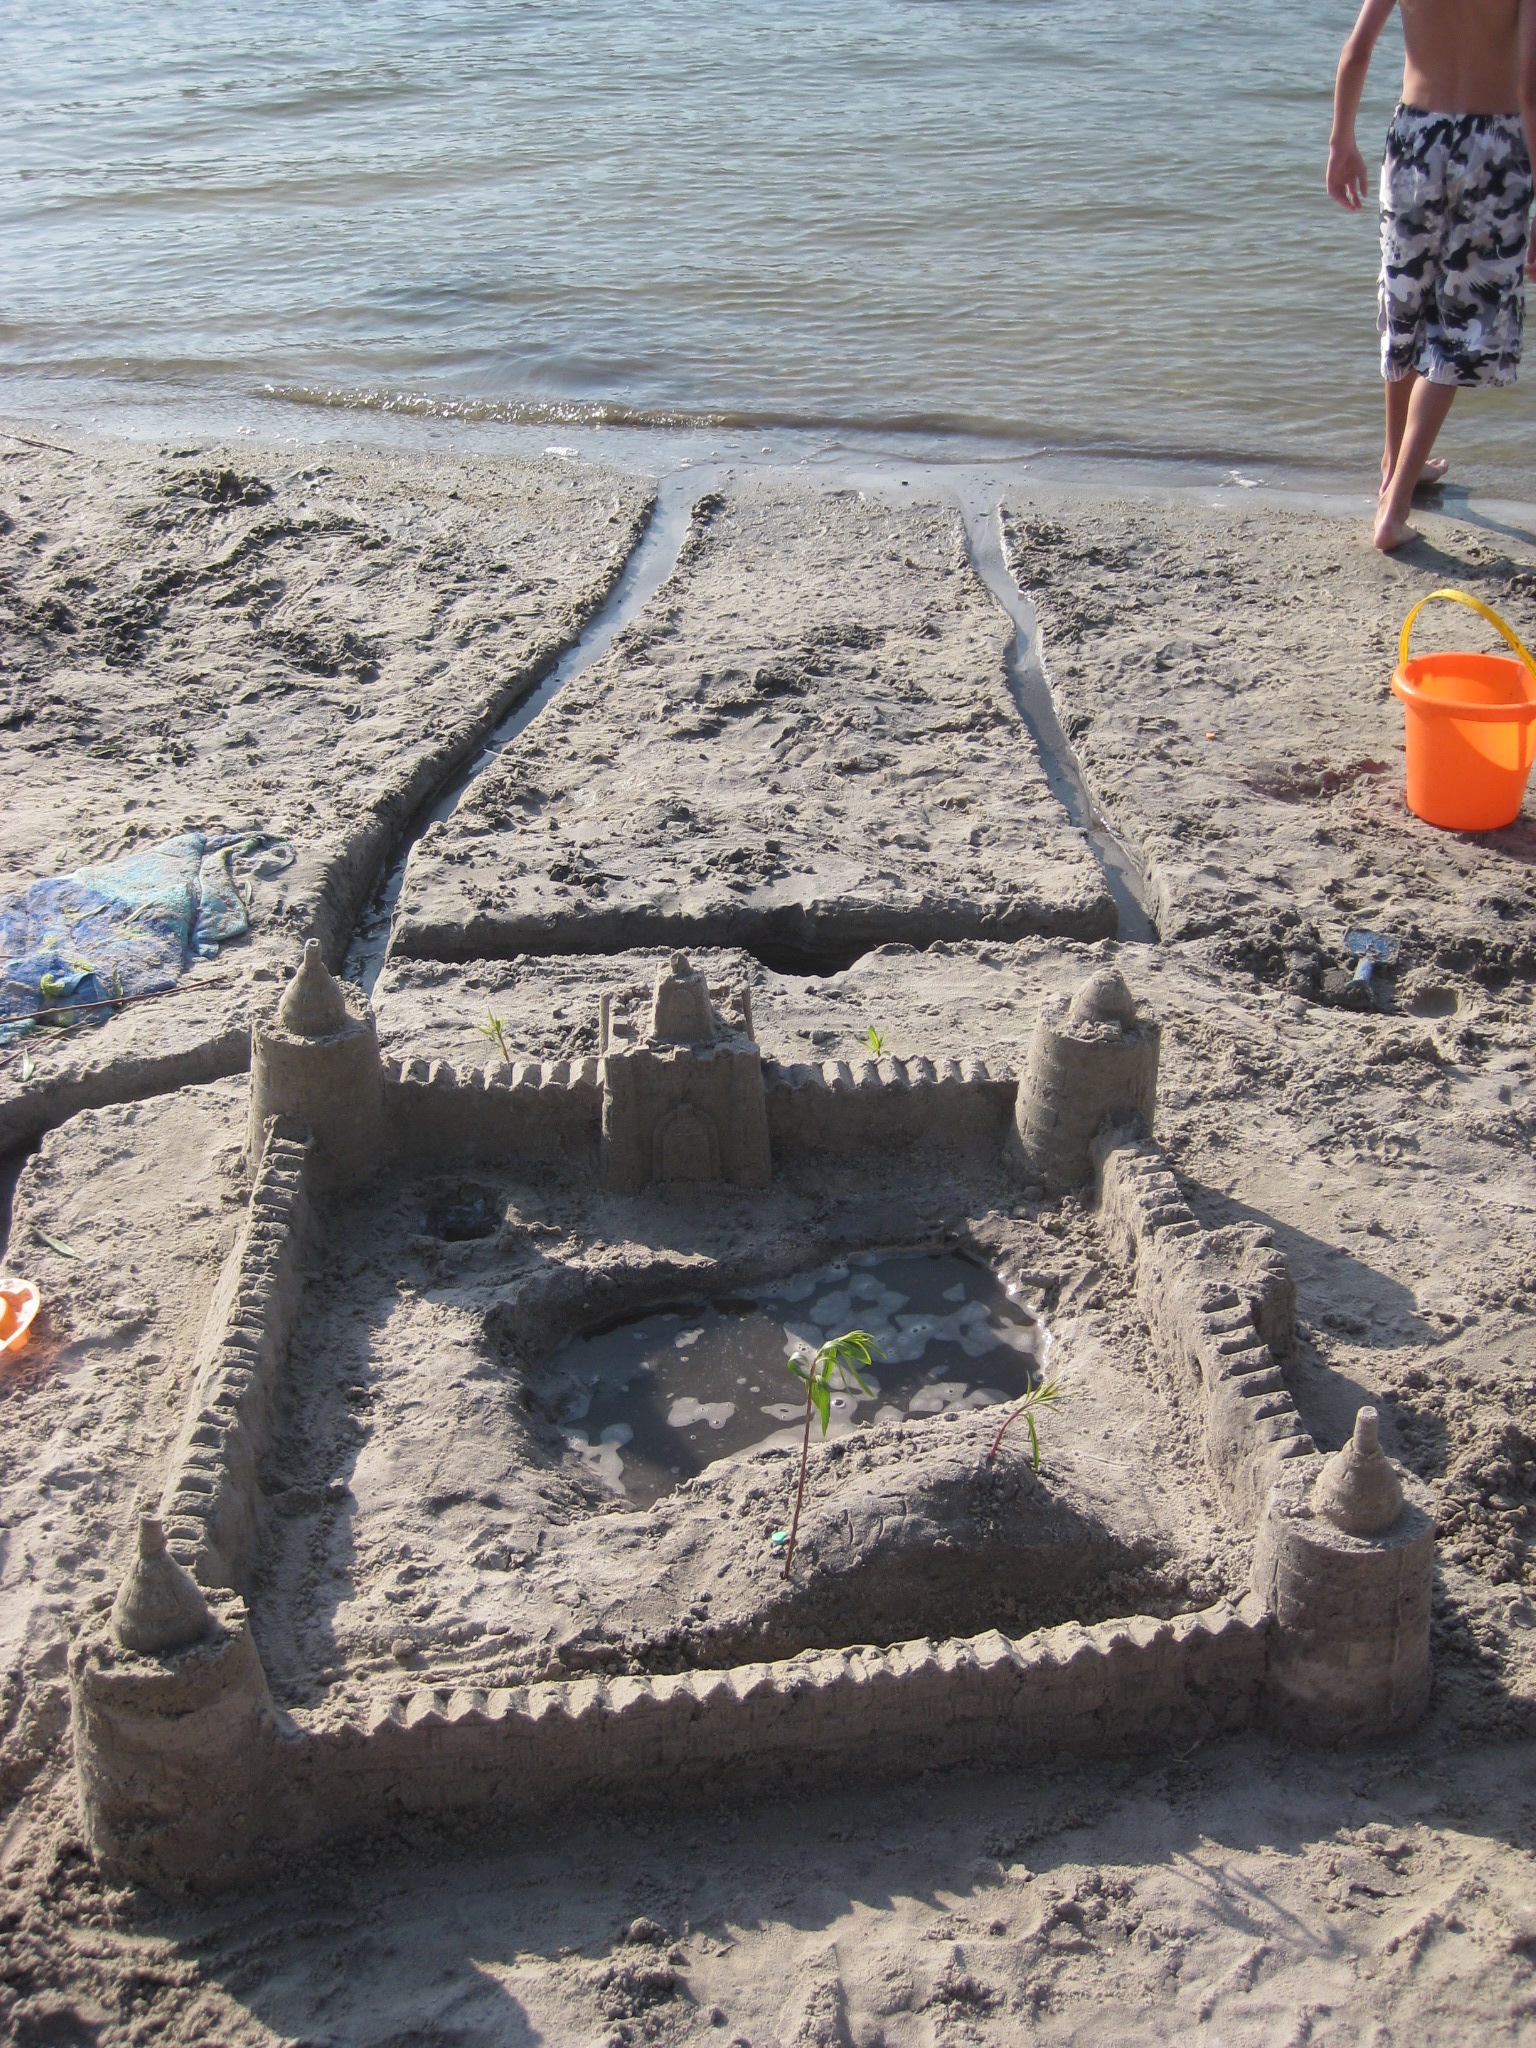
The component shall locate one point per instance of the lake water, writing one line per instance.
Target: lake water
(1040, 225)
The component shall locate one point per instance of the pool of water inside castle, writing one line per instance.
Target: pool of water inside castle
(653, 1401)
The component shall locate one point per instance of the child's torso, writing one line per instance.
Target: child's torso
(1462, 56)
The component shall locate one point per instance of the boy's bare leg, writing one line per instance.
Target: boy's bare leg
(1428, 405)
(1399, 393)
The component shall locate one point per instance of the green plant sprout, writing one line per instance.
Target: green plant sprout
(837, 1352)
(496, 1032)
(875, 1040)
(28, 1066)
(1044, 1396)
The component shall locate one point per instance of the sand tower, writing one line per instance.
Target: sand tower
(1345, 1562)
(317, 1064)
(683, 1099)
(1091, 1061)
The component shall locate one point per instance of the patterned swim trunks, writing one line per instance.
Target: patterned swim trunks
(1455, 215)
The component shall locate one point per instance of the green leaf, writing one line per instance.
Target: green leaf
(821, 1399)
(495, 1030)
(1044, 1396)
(842, 1351)
(56, 1244)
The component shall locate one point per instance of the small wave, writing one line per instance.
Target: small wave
(509, 412)
(605, 412)
(1031, 441)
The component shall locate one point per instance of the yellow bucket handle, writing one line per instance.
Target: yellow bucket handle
(1485, 611)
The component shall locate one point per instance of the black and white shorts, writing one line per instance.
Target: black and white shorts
(1455, 217)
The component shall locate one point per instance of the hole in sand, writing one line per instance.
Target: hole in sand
(463, 1217)
(652, 1401)
(1435, 1002)
(803, 961)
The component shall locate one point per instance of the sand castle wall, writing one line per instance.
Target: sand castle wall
(550, 1111)
(190, 1779)
(1221, 1306)
(805, 1722)
(211, 1502)
(189, 1776)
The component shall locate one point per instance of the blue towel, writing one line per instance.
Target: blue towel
(125, 927)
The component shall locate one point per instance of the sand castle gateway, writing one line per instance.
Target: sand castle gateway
(198, 1766)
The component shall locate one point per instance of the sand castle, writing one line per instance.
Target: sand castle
(684, 1102)
(191, 1775)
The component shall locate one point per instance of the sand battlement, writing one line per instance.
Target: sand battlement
(167, 1801)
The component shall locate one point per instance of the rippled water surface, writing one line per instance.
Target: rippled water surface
(1048, 222)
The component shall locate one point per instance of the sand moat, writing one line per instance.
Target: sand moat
(803, 760)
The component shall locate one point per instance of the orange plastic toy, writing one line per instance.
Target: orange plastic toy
(1470, 724)
(18, 1305)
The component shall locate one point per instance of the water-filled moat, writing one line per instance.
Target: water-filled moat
(654, 1401)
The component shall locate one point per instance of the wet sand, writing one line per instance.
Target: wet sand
(1243, 1893)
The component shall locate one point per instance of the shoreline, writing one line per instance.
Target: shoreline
(946, 462)
(1341, 599)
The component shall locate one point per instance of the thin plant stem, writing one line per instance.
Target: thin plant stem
(839, 1351)
(64, 1007)
(805, 1452)
(1037, 1397)
(999, 1437)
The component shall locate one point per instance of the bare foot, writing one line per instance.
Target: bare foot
(1391, 532)
(1430, 476)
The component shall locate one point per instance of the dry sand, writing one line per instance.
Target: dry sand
(1243, 1894)
(1224, 680)
(805, 744)
(213, 638)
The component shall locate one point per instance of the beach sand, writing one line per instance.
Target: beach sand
(217, 638)
(1244, 1893)
(814, 710)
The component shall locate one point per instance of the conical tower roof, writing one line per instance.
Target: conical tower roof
(313, 1005)
(159, 1607)
(1357, 1489)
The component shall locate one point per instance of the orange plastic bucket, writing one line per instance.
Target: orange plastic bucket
(18, 1305)
(1470, 725)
